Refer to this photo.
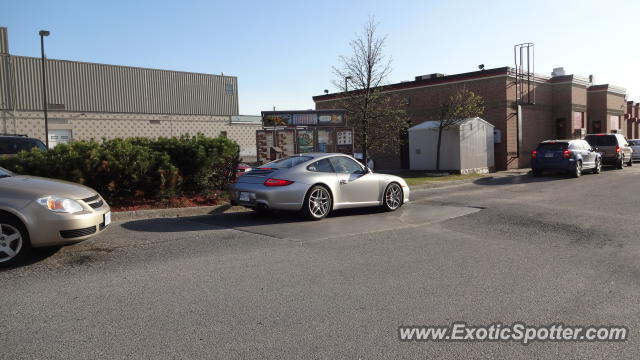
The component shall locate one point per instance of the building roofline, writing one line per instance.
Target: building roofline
(121, 66)
(575, 79)
(474, 75)
(271, 112)
(608, 88)
(427, 82)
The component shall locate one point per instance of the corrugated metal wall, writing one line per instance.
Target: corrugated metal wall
(119, 89)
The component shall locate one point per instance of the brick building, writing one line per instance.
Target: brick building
(633, 120)
(559, 106)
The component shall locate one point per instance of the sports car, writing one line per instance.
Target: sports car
(316, 184)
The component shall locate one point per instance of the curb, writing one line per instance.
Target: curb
(176, 212)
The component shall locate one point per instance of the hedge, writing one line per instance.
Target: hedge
(124, 170)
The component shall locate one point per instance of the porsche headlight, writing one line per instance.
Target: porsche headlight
(60, 204)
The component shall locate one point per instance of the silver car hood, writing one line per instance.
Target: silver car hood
(37, 187)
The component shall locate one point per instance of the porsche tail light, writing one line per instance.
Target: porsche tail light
(277, 182)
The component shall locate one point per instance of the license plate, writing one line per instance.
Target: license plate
(548, 155)
(244, 196)
(107, 218)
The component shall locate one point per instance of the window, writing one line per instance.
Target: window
(323, 165)
(552, 146)
(287, 163)
(5, 173)
(602, 140)
(229, 89)
(14, 146)
(345, 165)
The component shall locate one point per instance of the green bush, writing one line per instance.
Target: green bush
(205, 164)
(124, 170)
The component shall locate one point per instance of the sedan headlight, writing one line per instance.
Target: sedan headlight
(60, 204)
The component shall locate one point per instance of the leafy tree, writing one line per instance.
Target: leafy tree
(378, 118)
(463, 104)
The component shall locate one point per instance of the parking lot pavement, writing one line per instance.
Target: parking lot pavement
(538, 250)
(340, 224)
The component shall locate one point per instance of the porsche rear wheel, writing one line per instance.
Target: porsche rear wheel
(318, 203)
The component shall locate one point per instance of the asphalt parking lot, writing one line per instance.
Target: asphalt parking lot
(538, 250)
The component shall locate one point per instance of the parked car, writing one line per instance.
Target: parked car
(614, 148)
(241, 169)
(316, 184)
(572, 156)
(40, 212)
(13, 144)
(635, 146)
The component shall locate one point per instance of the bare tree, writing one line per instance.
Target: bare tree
(463, 104)
(378, 118)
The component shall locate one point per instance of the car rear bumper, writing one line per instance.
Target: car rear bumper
(555, 164)
(610, 160)
(288, 197)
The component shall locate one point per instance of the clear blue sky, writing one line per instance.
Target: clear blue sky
(282, 51)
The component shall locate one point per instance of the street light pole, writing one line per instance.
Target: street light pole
(44, 33)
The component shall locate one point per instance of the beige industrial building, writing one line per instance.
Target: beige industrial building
(95, 101)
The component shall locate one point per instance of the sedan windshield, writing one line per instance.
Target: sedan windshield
(5, 173)
(13, 146)
(287, 163)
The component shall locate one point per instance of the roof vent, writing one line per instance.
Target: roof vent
(559, 71)
(429, 76)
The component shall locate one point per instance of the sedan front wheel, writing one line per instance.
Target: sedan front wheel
(14, 241)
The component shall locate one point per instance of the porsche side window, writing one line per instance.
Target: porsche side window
(345, 165)
(323, 165)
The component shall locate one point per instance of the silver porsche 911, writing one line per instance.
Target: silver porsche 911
(316, 184)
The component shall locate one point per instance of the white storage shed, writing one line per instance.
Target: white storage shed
(466, 148)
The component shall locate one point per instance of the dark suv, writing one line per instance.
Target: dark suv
(13, 144)
(614, 148)
(572, 156)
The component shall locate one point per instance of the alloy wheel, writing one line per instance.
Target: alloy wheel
(319, 202)
(10, 242)
(393, 197)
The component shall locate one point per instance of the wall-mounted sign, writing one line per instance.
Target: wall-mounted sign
(344, 137)
(304, 118)
(330, 119)
(305, 141)
(276, 120)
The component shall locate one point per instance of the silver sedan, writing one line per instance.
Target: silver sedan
(316, 184)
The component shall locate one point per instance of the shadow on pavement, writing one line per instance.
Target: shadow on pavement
(237, 220)
(35, 256)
